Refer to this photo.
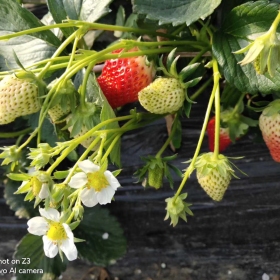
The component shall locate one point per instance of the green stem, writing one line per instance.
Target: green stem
(64, 154)
(69, 220)
(217, 109)
(84, 84)
(82, 157)
(110, 148)
(275, 24)
(57, 53)
(15, 133)
(169, 139)
(198, 56)
(100, 150)
(201, 89)
(201, 137)
(236, 107)
(90, 26)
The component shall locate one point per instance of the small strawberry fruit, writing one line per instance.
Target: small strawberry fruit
(57, 113)
(83, 131)
(155, 175)
(214, 174)
(224, 136)
(19, 96)
(63, 103)
(269, 123)
(164, 95)
(122, 78)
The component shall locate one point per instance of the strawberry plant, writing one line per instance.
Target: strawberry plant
(78, 80)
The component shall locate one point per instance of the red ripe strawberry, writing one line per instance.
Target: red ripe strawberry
(224, 136)
(269, 123)
(122, 78)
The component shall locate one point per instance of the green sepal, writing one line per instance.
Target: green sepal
(272, 108)
(188, 70)
(170, 60)
(78, 240)
(23, 188)
(60, 174)
(74, 225)
(18, 176)
(116, 172)
(177, 208)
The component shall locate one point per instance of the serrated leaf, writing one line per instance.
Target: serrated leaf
(29, 48)
(104, 237)
(243, 22)
(87, 10)
(175, 12)
(93, 10)
(58, 12)
(31, 255)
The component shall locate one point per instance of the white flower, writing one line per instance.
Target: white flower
(98, 187)
(56, 235)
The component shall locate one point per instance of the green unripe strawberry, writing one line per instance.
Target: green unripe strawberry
(64, 101)
(19, 96)
(83, 131)
(164, 95)
(214, 174)
(57, 113)
(155, 176)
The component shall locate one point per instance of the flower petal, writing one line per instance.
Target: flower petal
(69, 249)
(44, 192)
(88, 166)
(78, 180)
(112, 180)
(105, 195)
(50, 248)
(37, 226)
(69, 232)
(253, 52)
(88, 197)
(50, 214)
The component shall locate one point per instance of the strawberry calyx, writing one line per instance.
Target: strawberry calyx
(170, 70)
(177, 208)
(214, 173)
(207, 161)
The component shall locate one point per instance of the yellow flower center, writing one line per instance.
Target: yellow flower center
(36, 186)
(97, 181)
(56, 232)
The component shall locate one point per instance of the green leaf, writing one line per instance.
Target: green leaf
(58, 12)
(28, 48)
(30, 254)
(177, 137)
(243, 23)
(93, 10)
(48, 130)
(104, 237)
(120, 20)
(175, 12)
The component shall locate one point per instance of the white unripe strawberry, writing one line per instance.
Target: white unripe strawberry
(18, 97)
(214, 174)
(164, 95)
